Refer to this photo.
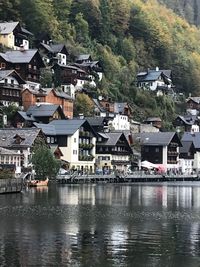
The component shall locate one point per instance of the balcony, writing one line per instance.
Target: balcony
(85, 134)
(86, 146)
(85, 158)
(172, 153)
(120, 162)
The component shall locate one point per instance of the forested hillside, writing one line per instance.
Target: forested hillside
(188, 9)
(126, 35)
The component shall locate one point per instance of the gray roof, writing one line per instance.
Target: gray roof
(42, 110)
(97, 104)
(195, 99)
(111, 138)
(119, 107)
(17, 56)
(186, 145)
(61, 127)
(153, 75)
(83, 57)
(46, 91)
(95, 121)
(46, 128)
(151, 119)
(194, 137)
(4, 151)
(24, 115)
(6, 73)
(154, 139)
(53, 48)
(188, 119)
(28, 134)
(7, 27)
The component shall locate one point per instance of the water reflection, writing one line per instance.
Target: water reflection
(101, 225)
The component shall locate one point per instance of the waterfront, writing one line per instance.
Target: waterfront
(102, 225)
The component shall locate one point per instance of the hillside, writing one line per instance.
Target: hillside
(126, 35)
(188, 9)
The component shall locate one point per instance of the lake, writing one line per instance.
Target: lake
(102, 225)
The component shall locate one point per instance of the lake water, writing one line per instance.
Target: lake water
(102, 225)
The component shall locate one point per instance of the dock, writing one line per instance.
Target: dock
(11, 185)
(129, 178)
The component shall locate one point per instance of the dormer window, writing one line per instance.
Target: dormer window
(18, 139)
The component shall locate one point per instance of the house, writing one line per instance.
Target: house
(48, 96)
(195, 138)
(99, 124)
(83, 58)
(159, 80)
(193, 105)
(11, 85)
(76, 140)
(112, 152)
(160, 148)
(53, 53)
(27, 64)
(187, 123)
(22, 141)
(13, 36)
(70, 78)
(154, 121)
(186, 157)
(43, 113)
(10, 159)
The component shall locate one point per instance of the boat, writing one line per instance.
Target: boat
(38, 182)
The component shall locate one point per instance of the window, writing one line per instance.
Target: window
(6, 81)
(3, 65)
(157, 149)
(29, 66)
(74, 140)
(35, 67)
(12, 82)
(17, 67)
(52, 140)
(48, 140)
(74, 152)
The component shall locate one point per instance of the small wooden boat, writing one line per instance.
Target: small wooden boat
(38, 182)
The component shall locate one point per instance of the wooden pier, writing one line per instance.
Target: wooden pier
(11, 185)
(133, 178)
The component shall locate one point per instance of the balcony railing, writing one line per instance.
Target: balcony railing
(85, 158)
(86, 146)
(84, 134)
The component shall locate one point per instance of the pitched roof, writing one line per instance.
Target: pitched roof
(7, 27)
(46, 91)
(152, 139)
(153, 75)
(194, 137)
(26, 117)
(188, 119)
(42, 110)
(151, 119)
(17, 56)
(111, 138)
(53, 48)
(6, 73)
(4, 151)
(119, 107)
(7, 137)
(186, 145)
(83, 57)
(61, 127)
(70, 67)
(196, 99)
(95, 121)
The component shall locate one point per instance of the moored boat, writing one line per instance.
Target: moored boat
(38, 182)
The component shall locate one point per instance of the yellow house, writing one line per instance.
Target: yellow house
(13, 36)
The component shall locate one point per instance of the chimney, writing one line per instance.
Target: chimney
(22, 48)
(81, 116)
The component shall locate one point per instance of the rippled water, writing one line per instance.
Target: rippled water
(102, 225)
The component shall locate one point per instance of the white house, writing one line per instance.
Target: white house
(155, 79)
(10, 158)
(76, 140)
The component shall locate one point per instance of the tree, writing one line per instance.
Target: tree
(44, 162)
(83, 105)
